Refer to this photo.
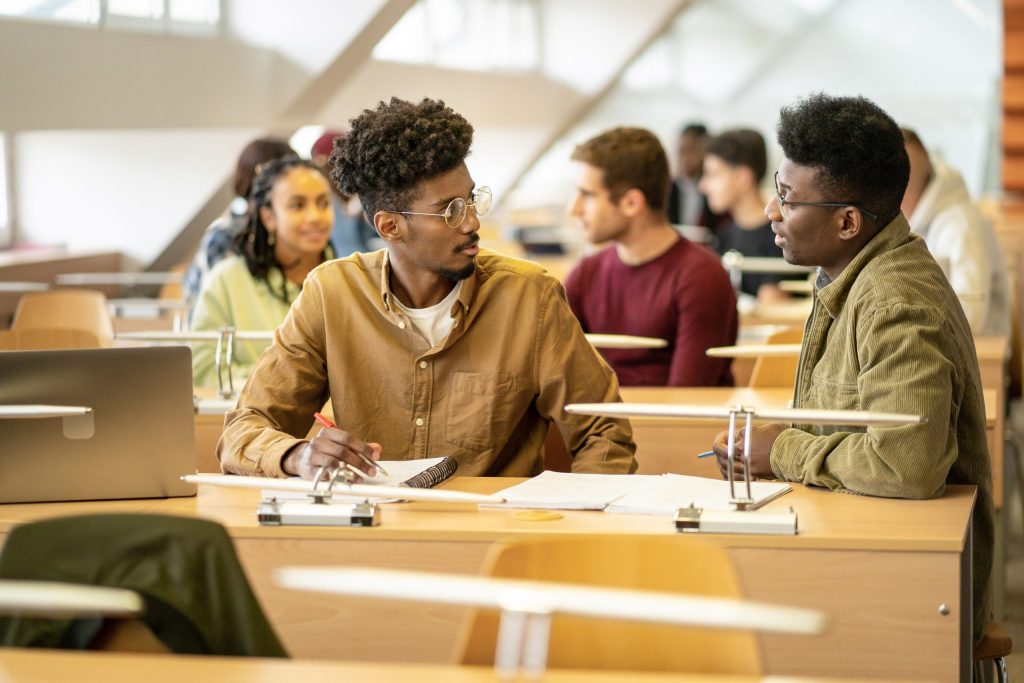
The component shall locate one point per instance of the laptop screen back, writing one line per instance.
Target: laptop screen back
(138, 441)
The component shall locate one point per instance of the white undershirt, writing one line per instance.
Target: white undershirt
(433, 322)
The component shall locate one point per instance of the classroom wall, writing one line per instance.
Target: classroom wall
(128, 190)
(118, 137)
(934, 65)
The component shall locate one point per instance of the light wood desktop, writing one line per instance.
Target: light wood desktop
(46, 666)
(880, 568)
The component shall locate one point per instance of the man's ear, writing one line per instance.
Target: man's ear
(632, 202)
(850, 223)
(390, 226)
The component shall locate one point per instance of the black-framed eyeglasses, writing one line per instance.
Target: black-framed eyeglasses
(783, 202)
(458, 208)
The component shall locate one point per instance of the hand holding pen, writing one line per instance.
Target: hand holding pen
(369, 459)
(333, 447)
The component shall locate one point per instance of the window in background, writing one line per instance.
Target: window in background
(476, 35)
(198, 17)
(195, 11)
(190, 17)
(140, 9)
(75, 11)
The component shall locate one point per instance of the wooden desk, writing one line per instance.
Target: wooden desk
(880, 568)
(670, 445)
(46, 666)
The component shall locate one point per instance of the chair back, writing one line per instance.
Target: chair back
(75, 309)
(678, 564)
(47, 338)
(774, 372)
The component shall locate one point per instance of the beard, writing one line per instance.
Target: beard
(457, 275)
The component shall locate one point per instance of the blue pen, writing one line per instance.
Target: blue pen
(705, 454)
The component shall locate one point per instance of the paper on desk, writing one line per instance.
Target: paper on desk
(568, 491)
(665, 494)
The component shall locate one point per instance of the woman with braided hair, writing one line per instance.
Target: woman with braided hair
(287, 236)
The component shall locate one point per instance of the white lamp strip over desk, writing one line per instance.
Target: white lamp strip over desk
(53, 600)
(527, 607)
(359, 490)
(609, 341)
(793, 415)
(119, 278)
(754, 351)
(733, 260)
(29, 411)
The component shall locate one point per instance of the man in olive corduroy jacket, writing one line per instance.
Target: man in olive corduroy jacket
(886, 332)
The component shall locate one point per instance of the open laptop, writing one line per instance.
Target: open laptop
(136, 443)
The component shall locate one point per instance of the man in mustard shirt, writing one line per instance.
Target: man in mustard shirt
(886, 332)
(431, 346)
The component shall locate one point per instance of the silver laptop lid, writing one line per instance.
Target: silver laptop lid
(136, 443)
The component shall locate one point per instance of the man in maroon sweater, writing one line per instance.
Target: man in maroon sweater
(651, 281)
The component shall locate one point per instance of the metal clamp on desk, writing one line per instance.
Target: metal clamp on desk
(697, 520)
(320, 510)
(225, 347)
(741, 519)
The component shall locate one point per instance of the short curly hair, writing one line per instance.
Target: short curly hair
(856, 147)
(390, 149)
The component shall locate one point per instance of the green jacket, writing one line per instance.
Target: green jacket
(231, 296)
(889, 335)
(196, 595)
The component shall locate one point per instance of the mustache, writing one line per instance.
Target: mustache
(473, 239)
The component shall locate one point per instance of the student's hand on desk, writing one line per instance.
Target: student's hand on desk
(761, 439)
(330, 447)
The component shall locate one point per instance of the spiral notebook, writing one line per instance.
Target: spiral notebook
(420, 474)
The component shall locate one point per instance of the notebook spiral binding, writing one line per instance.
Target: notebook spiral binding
(434, 475)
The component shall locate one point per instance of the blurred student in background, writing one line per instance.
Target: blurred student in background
(651, 282)
(287, 235)
(351, 232)
(687, 205)
(959, 237)
(734, 167)
(218, 241)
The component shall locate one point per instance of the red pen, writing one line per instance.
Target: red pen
(326, 422)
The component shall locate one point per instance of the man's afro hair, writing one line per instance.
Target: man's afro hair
(390, 149)
(857, 148)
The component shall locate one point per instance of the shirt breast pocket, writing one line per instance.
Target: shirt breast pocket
(481, 407)
(834, 394)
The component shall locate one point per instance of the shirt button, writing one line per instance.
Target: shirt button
(423, 364)
(419, 421)
(401, 326)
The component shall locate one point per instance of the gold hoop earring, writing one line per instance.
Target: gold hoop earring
(270, 239)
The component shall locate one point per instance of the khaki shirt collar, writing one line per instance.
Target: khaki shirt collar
(460, 308)
(832, 294)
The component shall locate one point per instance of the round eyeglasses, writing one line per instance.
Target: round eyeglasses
(458, 208)
(783, 202)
